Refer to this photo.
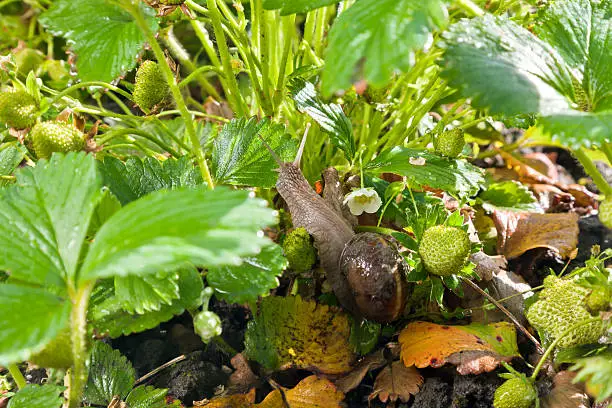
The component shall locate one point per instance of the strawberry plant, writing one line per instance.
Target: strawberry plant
(308, 187)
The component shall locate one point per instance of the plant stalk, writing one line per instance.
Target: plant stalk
(78, 335)
(471, 8)
(176, 91)
(591, 170)
(17, 375)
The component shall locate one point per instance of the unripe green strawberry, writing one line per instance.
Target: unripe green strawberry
(444, 250)
(18, 109)
(516, 392)
(57, 354)
(605, 212)
(299, 250)
(150, 87)
(450, 143)
(52, 136)
(562, 305)
(28, 59)
(598, 300)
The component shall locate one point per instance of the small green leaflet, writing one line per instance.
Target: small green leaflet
(564, 74)
(239, 157)
(421, 168)
(597, 372)
(149, 397)
(39, 396)
(140, 294)
(295, 6)
(330, 117)
(11, 154)
(137, 177)
(255, 277)
(111, 48)
(384, 33)
(509, 195)
(110, 374)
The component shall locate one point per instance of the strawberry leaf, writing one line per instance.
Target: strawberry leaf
(147, 397)
(11, 154)
(32, 395)
(509, 195)
(596, 371)
(109, 50)
(110, 374)
(384, 33)
(295, 6)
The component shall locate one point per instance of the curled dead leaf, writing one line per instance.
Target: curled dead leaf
(517, 233)
(425, 344)
(370, 362)
(229, 401)
(565, 394)
(243, 378)
(396, 381)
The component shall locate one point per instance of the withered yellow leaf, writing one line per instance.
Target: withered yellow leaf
(311, 392)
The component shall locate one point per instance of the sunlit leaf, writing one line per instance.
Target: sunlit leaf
(41, 396)
(508, 195)
(295, 6)
(309, 393)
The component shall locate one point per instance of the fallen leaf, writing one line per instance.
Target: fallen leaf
(289, 331)
(565, 394)
(517, 233)
(311, 392)
(425, 344)
(396, 381)
(243, 378)
(370, 362)
(476, 362)
(229, 401)
(487, 266)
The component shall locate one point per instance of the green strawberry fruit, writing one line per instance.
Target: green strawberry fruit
(56, 354)
(151, 87)
(605, 212)
(18, 109)
(444, 250)
(450, 143)
(299, 250)
(207, 325)
(562, 305)
(598, 300)
(52, 136)
(28, 59)
(516, 392)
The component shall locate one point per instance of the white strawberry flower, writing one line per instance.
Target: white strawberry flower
(363, 200)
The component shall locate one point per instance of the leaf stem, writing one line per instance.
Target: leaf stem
(591, 170)
(505, 311)
(78, 335)
(471, 8)
(17, 375)
(81, 85)
(554, 344)
(176, 91)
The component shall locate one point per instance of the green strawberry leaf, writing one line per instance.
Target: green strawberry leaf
(31, 318)
(108, 315)
(138, 177)
(563, 74)
(295, 6)
(140, 294)
(255, 277)
(44, 219)
(108, 205)
(110, 374)
(508, 195)
(597, 372)
(165, 229)
(40, 396)
(239, 156)
(11, 154)
(421, 168)
(147, 397)
(384, 33)
(329, 116)
(109, 50)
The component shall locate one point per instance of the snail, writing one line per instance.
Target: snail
(365, 270)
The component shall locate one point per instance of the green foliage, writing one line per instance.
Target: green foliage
(421, 168)
(28, 59)
(508, 196)
(150, 88)
(110, 374)
(330, 117)
(11, 154)
(251, 279)
(148, 397)
(384, 33)
(299, 250)
(596, 371)
(295, 6)
(137, 177)
(105, 38)
(364, 335)
(540, 73)
(52, 136)
(239, 156)
(18, 109)
(40, 396)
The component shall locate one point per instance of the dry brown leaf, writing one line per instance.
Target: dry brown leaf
(476, 362)
(243, 378)
(427, 344)
(230, 401)
(352, 380)
(565, 394)
(396, 381)
(517, 233)
(311, 392)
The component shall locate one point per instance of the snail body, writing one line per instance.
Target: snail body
(365, 270)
